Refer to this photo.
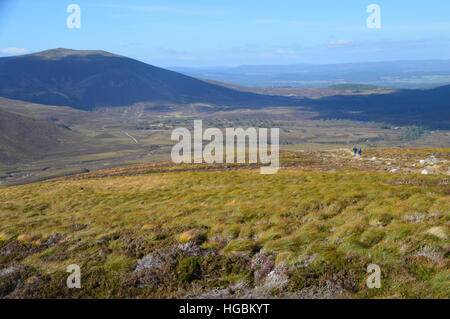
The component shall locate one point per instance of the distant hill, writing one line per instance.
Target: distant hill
(361, 102)
(313, 92)
(428, 107)
(23, 138)
(89, 79)
(350, 86)
(394, 74)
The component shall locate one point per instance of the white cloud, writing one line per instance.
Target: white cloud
(339, 43)
(14, 51)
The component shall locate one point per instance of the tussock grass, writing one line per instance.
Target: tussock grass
(345, 219)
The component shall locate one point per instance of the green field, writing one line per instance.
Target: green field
(161, 231)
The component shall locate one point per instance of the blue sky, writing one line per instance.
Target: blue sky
(228, 33)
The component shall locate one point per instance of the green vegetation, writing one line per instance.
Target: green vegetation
(318, 229)
(414, 132)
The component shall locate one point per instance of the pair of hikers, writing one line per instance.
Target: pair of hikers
(357, 151)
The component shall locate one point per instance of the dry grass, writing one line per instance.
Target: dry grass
(345, 219)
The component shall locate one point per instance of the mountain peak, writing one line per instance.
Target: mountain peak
(88, 79)
(59, 53)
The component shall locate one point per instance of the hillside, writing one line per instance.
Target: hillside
(221, 231)
(42, 141)
(88, 79)
(428, 107)
(23, 138)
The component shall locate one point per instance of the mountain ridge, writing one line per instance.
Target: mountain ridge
(87, 80)
(90, 79)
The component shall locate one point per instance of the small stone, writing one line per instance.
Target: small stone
(438, 231)
(148, 262)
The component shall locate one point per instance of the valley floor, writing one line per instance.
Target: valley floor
(206, 231)
(140, 134)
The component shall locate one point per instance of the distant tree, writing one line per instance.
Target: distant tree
(414, 132)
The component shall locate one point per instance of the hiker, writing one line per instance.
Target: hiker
(359, 151)
(354, 151)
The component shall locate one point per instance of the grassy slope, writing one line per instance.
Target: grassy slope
(25, 138)
(322, 228)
